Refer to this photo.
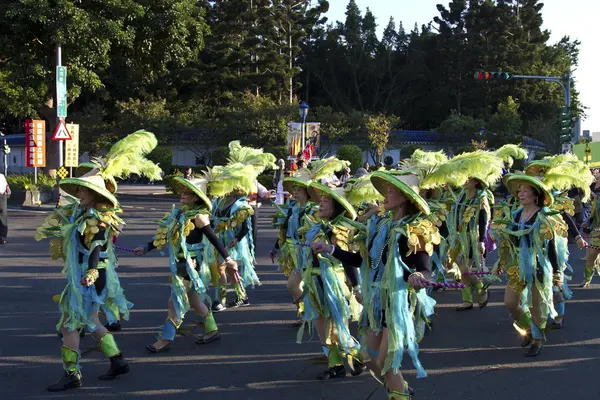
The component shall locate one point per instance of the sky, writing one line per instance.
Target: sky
(574, 18)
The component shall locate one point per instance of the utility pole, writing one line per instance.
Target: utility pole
(59, 143)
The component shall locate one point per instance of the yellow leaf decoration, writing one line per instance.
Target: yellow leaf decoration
(422, 235)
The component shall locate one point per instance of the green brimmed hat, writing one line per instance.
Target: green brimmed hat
(301, 178)
(196, 185)
(406, 183)
(537, 168)
(92, 181)
(516, 180)
(318, 170)
(316, 190)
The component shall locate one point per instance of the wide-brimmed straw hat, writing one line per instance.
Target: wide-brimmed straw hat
(316, 190)
(408, 184)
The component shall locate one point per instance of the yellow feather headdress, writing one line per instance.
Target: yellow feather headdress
(361, 190)
(563, 172)
(423, 163)
(511, 152)
(257, 158)
(482, 165)
(222, 180)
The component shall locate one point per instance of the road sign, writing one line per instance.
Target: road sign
(62, 172)
(35, 143)
(61, 92)
(72, 146)
(61, 132)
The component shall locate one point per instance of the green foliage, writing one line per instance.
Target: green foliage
(408, 150)
(280, 152)
(163, 157)
(378, 131)
(220, 155)
(456, 128)
(506, 124)
(464, 149)
(45, 183)
(351, 153)
(169, 181)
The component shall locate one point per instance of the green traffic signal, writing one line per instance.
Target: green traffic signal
(6, 149)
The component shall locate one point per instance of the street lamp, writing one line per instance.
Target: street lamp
(303, 109)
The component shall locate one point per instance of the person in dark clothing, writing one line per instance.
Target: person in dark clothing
(398, 244)
(188, 290)
(4, 195)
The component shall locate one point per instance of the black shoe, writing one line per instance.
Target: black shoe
(217, 306)
(463, 308)
(67, 381)
(239, 303)
(152, 349)
(114, 327)
(359, 367)
(487, 300)
(527, 339)
(534, 350)
(118, 366)
(333, 373)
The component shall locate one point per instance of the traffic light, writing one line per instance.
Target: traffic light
(567, 121)
(6, 149)
(495, 76)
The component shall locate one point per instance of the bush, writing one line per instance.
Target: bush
(26, 182)
(408, 150)
(163, 157)
(170, 182)
(351, 153)
(219, 155)
(280, 152)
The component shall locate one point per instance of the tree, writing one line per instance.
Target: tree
(506, 124)
(351, 153)
(378, 131)
(459, 129)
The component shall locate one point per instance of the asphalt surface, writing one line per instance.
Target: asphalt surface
(469, 355)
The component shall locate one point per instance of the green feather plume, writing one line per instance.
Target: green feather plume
(480, 164)
(422, 163)
(511, 152)
(127, 157)
(257, 158)
(223, 180)
(361, 190)
(320, 169)
(563, 172)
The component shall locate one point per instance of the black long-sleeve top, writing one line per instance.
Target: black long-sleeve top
(196, 236)
(419, 260)
(552, 256)
(573, 231)
(94, 258)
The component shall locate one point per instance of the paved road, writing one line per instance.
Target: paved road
(472, 355)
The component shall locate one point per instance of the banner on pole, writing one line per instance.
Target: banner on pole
(72, 146)
(312, 140)
(35, 143)
(61, 92)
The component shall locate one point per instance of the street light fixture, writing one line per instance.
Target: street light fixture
(303, 110)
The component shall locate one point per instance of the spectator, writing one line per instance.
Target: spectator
(367, 167)
(301, 164)
(331, 181)
(380, 166)
(345, 176)
(262, 193)
(4, 195)
(188, 173)
(362, 171)
(278, 181)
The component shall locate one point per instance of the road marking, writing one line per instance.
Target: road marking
(25, 210)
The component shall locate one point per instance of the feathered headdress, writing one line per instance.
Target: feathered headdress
(423, 163)
(318, 170)
(128, 156)
(563, 172)
(125, 157)
(509, 153)
(257, 158)
(485, 166)
(223, 180)
(361, 190)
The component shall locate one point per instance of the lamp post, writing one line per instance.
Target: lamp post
(5, 152)
(303, 109)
